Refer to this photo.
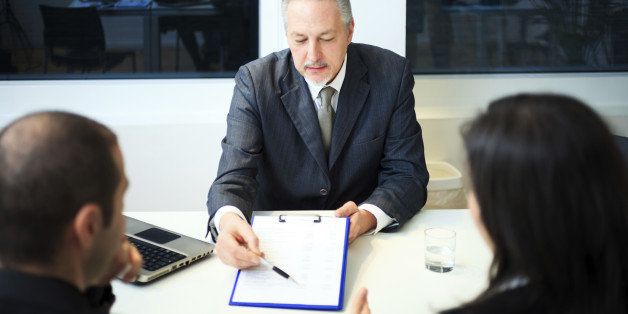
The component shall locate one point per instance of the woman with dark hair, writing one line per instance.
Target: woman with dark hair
(550, 196)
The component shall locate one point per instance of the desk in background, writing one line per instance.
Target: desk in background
(391, 265)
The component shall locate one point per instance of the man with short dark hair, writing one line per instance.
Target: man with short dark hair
(324, 125)
(62, 183)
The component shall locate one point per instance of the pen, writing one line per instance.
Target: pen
(277, 269)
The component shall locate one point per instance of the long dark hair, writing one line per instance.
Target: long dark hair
(552, 189)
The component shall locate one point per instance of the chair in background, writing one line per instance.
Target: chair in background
(74, 37)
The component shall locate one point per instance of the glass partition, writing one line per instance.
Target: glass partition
(502, 36)
(50, 39)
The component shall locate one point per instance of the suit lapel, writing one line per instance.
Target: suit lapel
(353, 94)
(300, 108)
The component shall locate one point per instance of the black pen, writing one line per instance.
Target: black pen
(277, 270)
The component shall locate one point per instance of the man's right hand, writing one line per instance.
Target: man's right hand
(237, 245)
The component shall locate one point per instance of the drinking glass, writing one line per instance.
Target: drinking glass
(440, 249)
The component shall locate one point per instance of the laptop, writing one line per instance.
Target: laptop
(163, 251)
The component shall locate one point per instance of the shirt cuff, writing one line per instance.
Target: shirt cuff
(383, 220)
(224, 210)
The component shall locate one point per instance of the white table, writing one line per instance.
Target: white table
(390, 265)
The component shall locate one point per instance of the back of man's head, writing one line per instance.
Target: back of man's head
(51, 164)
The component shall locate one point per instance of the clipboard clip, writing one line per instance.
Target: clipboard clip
(317, 218)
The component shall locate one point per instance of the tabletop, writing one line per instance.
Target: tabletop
(390, 265)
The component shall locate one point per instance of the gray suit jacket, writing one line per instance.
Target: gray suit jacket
(273, 156)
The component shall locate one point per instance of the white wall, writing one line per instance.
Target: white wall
(170, 130)
(445, 102)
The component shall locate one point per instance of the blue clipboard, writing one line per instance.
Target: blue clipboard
(337, 307)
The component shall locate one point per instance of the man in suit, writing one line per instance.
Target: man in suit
(62, 185)
(326, 124)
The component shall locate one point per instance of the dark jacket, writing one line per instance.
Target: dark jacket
(519, 300)
(273, 157)
(27, 294)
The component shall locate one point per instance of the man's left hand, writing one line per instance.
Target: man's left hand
(362, 221)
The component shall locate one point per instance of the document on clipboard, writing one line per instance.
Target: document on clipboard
(312, 249)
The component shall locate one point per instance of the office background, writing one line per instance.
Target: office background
(170, 129)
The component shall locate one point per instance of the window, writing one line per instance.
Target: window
(509, 36)
(50, 39)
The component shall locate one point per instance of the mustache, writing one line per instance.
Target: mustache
(316, 64)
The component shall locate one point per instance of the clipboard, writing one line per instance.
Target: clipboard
(312, 249)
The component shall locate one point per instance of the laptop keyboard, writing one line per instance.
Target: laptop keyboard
(155, 257)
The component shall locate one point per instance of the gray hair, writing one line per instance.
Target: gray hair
(343, 5)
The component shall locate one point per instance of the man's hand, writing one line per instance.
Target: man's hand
(237, 245)
(126, 265)
(360, 304)
(361, 220)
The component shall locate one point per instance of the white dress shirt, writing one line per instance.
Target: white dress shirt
(382, 218)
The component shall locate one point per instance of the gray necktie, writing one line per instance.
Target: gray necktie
(326, 116)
